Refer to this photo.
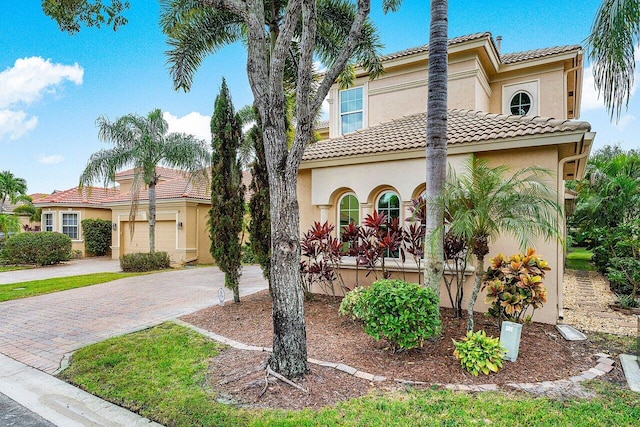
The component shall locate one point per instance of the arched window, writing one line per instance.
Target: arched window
(520, 104)
(389, 204)
(349, 211)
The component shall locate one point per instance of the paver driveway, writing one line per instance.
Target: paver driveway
(40, 331)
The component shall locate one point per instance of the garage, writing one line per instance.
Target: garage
(165, 237)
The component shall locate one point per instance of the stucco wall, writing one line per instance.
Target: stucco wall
(83, 213)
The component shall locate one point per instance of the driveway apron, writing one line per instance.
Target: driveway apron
(40, 331)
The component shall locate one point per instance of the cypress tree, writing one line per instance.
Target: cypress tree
(227, 191)
(260, 224)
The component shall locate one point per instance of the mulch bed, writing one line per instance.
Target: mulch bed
(238, 376)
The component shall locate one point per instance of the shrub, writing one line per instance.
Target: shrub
(247, 254)
(43, 248)
(514, 284)
(351, 304)
(405, 314)
(627, 301)
(97, 236)
(479, 353)
(144, 261)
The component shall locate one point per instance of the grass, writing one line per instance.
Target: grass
(4, 268)
(579, 259)
(161, 374)
(46, 286)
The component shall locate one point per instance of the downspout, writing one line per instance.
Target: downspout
(585, 144)
(575, 94)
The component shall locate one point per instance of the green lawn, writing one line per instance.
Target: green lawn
(4, 268)
(47, 286)
(161, 374)
(579, 259)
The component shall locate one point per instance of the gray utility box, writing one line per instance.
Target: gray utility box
(510, 339)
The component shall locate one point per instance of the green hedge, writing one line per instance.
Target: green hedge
(42, 248)
(145, 261)
(97, 236)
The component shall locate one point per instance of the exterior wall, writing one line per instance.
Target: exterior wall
(324, 187)
(187, 219)
(83, 213)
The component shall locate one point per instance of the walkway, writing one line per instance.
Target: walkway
(40, 331)
(70, 268)
(586, 305)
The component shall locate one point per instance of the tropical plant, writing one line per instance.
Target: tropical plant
(351, 304)
(97, 235)
(514, 284)
(28, 209)
(405, 314)
(323, 257)
(143, 143)
(227, 191)
(9, 224)
(615, 36)
(479, 353)
(283, 40)
(436, 146)
(483, 203)
(44, 248)
(12, 189)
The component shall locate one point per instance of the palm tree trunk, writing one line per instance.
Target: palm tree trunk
(152, 217)
(475, 291)
(436, 148)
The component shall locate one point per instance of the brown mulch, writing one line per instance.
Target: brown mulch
(238, 375)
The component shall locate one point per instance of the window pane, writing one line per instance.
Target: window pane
(70, 225)
(349, 210)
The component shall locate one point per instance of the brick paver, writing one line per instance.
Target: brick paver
(40, 331)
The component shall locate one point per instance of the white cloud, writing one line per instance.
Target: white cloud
(30, 78)
(193, 123)
(50, 160)
(14, 124)
(625, 121)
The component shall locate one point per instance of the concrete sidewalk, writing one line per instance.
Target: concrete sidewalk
(69, 268)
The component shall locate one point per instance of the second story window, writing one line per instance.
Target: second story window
(520, 104)
(351, 110)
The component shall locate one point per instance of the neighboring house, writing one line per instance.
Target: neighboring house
(182, 213)
(63, 211)
(501, 109)
(182, 210)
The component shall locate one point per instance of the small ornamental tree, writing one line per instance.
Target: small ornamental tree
(260, 224)
(97, 236)
(227, 191)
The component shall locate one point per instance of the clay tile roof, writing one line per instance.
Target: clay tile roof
(425, 48)
(510, 58)
(181, 187)
(88, 195)
(322, 124)
(164, 173)
(464, 126)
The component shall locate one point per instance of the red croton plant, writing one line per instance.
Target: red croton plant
(514, 284)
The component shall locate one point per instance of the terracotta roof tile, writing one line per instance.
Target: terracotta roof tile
(425, 48)
(164, 173)
(175, 188)
(464, 126)
(88, 195)
(510, 58)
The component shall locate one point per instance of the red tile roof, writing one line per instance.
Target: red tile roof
(464, 126)
(88, 195)
(176, 188)
(163, 173)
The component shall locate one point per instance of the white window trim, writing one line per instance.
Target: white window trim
(400, 209)
(43, 222)
(335, 127)
(61, 223)
(531, 88)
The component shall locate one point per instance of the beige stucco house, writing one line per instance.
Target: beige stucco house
(517, 109)
(181, 215)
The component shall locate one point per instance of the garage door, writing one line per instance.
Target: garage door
(165, 237)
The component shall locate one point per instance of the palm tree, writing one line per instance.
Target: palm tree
(143, 143)
(436, 147)
(484, 203)
(12, 188)
(615, 34)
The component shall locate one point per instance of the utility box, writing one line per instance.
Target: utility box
(510, 339)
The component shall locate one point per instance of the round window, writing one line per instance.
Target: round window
(520, 104)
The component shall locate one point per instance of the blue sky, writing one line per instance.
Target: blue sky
(54, 86)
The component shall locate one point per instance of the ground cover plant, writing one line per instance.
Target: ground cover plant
(161, 373)
(579, 258)
(32, 288)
